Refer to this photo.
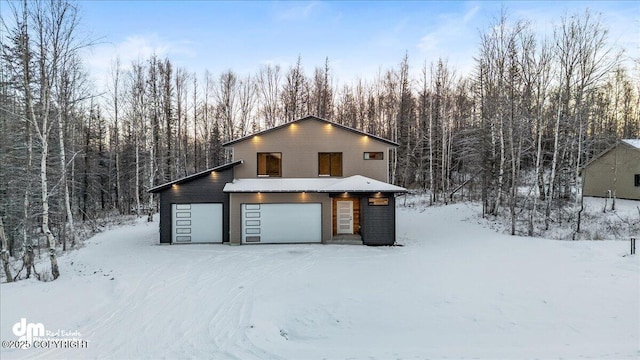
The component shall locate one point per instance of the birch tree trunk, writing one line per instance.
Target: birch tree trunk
(137, 120)
(431, 144)
(443, 152)
(51, 240)
(206, 122)
(137, 177)
(63, 172)
(5, 253)
(27, 189)
(554, 166)
(152, 173)
(48, 71)
(538, 175)
(195, 123)
(116, 133)
(25, 51)
(501, 166)
(541, 95)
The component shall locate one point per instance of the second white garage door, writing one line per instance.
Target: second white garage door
(281, 223)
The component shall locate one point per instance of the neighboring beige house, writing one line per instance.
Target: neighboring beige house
(306, 181)
(615, 172)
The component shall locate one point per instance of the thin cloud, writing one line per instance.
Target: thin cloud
(469, 15)
(136, 47)
(452, 38)
(298, 12)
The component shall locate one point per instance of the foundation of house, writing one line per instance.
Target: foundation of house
(354, 239)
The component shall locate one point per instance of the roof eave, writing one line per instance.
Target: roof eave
(288, 191)
(344, 127)
(164, 186)
(291, 191)
(363, 191)
(633, 143)
(603, 153)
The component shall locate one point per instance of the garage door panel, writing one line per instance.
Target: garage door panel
(197, 223)
(282, 223)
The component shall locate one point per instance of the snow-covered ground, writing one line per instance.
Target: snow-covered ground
(604, 221)
(456, 289)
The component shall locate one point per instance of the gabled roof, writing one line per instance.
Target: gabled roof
(194, 176)
(356, 131)
(355, 183)
(634, 143)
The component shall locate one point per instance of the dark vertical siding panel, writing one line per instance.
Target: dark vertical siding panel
(378, 223)
(224, 178)
(165, 218)
(207, 189)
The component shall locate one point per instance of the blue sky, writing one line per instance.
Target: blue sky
(358, 37)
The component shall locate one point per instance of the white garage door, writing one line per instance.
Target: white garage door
(281, 223)
(196, 223)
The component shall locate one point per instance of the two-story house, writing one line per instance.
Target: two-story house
(307, 181)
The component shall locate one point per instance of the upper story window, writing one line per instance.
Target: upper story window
(636, 180)
(374, 155)
(329, 164)
(270, 164)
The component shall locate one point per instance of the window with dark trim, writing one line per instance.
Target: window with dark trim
(270, 164)
(636, 180)
(378, 201)
(374, 155)
(329, 164)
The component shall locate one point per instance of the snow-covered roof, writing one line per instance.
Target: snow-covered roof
(362, 183)
(355, 183)
(277, 185)
(633, 142)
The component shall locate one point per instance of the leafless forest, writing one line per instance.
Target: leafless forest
(513, 133)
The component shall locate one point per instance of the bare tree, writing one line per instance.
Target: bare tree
(181, 124)
(115, 87)
(293, 93)
(583, 58)
(194, 108)
(226, 94)
(536, 72)
(404, 120)
(166, 77)
(55, 23)
(321, 93)
(206, 119)
(269, 89)
(498, 71)
(246, 102)
(137, 116)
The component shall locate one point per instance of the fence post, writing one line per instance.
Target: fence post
(633, 246)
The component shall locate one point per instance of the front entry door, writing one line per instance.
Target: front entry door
(345, 217)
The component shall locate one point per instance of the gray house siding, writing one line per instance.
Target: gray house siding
(378, 222)
(206, 189)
